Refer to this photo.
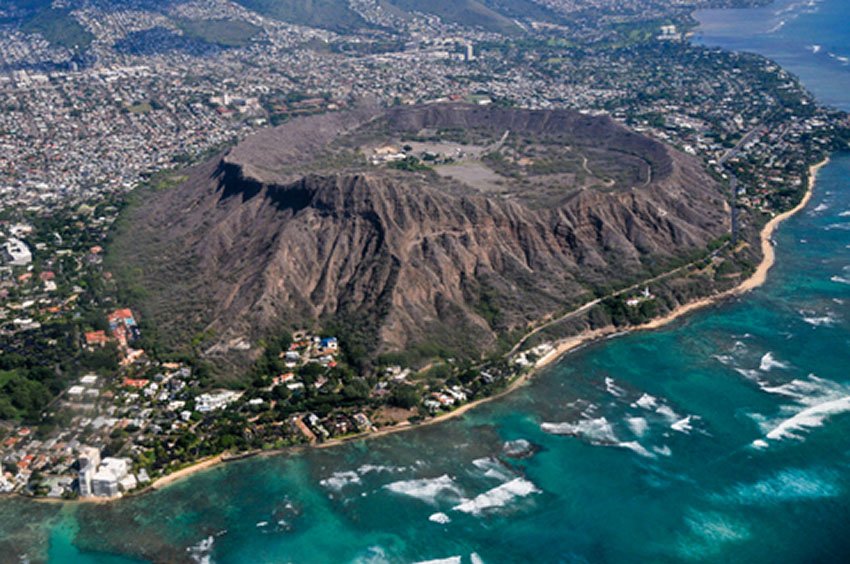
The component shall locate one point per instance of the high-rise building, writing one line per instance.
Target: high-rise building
(88, 460)
(105, 482)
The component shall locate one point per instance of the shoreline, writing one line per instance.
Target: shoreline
(559, 350)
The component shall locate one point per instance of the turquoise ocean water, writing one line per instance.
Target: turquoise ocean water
(723, 437)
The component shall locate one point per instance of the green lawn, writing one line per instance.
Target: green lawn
(140, 108)
(6, 375)
(325, 14)
(60, 29)
(225, 33)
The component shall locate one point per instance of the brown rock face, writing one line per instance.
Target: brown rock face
(289, 229)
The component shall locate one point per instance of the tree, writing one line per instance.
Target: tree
(405, 397)
(356, 389)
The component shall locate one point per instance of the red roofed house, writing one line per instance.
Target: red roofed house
(136, 382)
(96, 338)
(123, 326)
(282, 379)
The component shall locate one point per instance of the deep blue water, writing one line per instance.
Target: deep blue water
(808, 37)
(722, 437)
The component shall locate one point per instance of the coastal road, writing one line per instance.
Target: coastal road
(758, 130)
(587, 306)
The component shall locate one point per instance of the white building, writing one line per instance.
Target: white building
(89, 460)
(16, 253)
(111, 473)
(205, 403)
(89, 380)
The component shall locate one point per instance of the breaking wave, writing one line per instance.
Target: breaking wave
(635, 447)
(809, 418)
(595, 430)
(427, 489)
(816, 320)
(201, 552)
(498, 497)
(440, 518)
(638, 425)
(612, 388)
(519, 448)
(683, 425)
(492, 468)
(768, 363)
(339, 480)
(817, 400)
(646, 401)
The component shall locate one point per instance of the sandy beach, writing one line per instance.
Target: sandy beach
(559, 349)
(185, 472)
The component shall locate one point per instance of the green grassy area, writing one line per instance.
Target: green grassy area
(59, 28)
(325, 14)
(6, 376)
(464, 12)
(140, 108)
(225, 33)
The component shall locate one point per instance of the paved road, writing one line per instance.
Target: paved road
(585, 307)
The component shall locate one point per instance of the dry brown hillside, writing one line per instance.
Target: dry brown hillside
(495, 218)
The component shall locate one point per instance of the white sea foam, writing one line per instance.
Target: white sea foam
(646, 401)
(378, 468)
(724, 359)
(449, 560)
(638, 425)
(815, 49)
(683, 425)
(811, 391)
(520, 448)
(498, 497)
(809, 418)
(263, 524)
(667, 412)
(840, 279)
(636, 447)
(838, 226)
(492, 468)
(844, 214)
(339, 480)
(663, 450)
(768, 363)
(820, 207)
(475, 559)
(709, 531)
(596, 430)
(817, 400)
(815, 320)
(440, 518)
(777, 27)
(613, 389)
(749, 374)
(201, 551)
(787, 485)
(427, 489)
(600, 432)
